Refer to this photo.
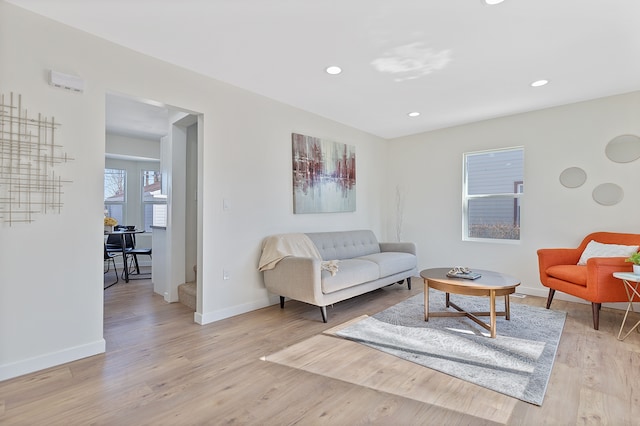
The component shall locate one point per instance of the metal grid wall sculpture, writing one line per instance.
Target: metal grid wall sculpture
(29, 184)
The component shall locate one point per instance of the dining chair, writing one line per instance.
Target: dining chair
(134, 252)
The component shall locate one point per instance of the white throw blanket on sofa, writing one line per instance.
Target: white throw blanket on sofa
(277, 247)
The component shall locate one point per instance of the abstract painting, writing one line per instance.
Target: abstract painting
(324, 175)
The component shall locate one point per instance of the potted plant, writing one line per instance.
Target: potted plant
(635, 259)
(109, 223)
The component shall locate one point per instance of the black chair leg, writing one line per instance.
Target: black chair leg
(134, 265)
(323, 309)
(595, 308)
(550, 297)
(114, 270)
(125, 267)
(135, 260)
(281, 302)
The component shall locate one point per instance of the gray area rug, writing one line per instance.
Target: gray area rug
(517, 362)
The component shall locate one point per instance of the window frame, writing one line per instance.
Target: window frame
(516, 196)
(144, 203)
(122, 203)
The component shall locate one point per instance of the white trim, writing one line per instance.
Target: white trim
(209, 317)
(29, 365)
(544, 292)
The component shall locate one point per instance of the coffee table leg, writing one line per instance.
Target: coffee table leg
(426, 300)
(507, 309)
(492, 312)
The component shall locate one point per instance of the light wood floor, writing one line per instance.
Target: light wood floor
(161, 368)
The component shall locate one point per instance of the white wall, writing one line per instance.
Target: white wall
(191, 206)
(428, 169)
(132, 147)
(52, 312)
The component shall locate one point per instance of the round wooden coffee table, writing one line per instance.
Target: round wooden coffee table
(490, 284)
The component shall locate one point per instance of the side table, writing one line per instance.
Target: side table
(632, 291)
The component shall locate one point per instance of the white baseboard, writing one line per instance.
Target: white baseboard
(544, 292)
(209, 317)
(29, 365)
(532, 291)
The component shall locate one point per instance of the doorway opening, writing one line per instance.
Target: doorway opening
(151, 175)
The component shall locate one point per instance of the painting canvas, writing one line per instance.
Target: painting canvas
(324, 175)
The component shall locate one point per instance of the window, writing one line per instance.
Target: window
(115, 199)
(151, 191)
(493, 184)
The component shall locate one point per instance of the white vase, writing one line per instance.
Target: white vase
(108, 228)
(636, 269)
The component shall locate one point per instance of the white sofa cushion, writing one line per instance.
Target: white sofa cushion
(390, 263)
(350, 272)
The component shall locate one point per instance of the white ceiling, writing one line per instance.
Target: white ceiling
(132, 117)
(455, 61)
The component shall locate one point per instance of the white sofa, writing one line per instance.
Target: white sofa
(363, 264)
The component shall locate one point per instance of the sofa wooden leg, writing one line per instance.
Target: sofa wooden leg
(323, 309)
(409, 283)
(595, 307)
(550, 297)
(281, 302)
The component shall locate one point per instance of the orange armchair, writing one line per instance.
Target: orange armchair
(594, 282)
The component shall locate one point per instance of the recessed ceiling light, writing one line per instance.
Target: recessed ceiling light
(492, 2)
(333, 70)
(413, 114)
(539, 83)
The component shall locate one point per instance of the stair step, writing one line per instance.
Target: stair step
(187, 294)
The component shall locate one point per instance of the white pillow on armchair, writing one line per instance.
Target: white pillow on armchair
(596, 249)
